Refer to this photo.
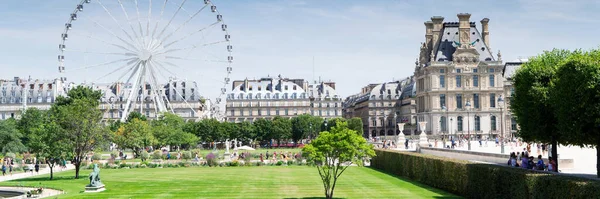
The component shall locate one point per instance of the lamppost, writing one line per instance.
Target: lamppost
(395, 125)
(311, 131)
(326, 125)
(501, 105)
(444, 137)
(384, 127)
(468, 106)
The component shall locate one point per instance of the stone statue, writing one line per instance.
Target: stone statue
(227, 146)
(95, 177)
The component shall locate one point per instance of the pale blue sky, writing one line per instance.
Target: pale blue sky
(354, 42)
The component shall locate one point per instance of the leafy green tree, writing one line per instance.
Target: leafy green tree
(282, 129)
(315, 124)
(136, 135)
(134, 115)
(576, 100)
(356, 124)
(168, 130)
(531, 101)
(263, 128)
(301, 127)
(46, 139)
(10, 137)
(247, 132)
(78, 115)
(331, 123)
(333, 152)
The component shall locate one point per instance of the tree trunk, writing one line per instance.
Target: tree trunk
(51, 173)
(555, 153)
(598, 160)
(77, 167)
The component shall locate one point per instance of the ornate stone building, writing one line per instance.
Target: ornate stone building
(381, 106)
(509, 70)
(269, 97)
(18, 93)
(458, 80)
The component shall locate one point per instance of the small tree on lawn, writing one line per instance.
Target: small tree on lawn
(332, 153)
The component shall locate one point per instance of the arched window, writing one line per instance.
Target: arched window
(493, 122)
(477, 123)
(459, 120)
(443, 123)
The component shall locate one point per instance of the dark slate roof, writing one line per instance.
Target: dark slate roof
(510, 68)
(450, 34)
(409, 90)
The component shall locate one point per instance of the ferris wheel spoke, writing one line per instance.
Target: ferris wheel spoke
(162, 10)
(113, 34)
(191, 34)
(184, 23)
(193, 47)
(107, 43)
(171, 20)
(127, 18)
(107, 63)
(159, 64)
(137, 10)
(149, 16)
(116, 21)
(130, 66)
(163, 96)
(100, 53)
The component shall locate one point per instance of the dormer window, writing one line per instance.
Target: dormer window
(294, 87)
(286, 87)
(259, 88)
(250, 88)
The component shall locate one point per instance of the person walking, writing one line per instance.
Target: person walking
(37, 167)
(3, 169)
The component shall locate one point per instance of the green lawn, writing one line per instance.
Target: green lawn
(235, 182)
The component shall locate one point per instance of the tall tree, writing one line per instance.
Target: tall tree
(46, 139)
(356, 124)
(134, 115)
(301, 127)
(136, 135)
(263, 128)
(282, 129)
(576, 100)
(10, 137)
(333, 152)
(330, 123)
(247, 132)
(531, 101)
(78, 115)
(168, 130)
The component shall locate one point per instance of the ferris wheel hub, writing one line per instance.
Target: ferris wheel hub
(144, 55)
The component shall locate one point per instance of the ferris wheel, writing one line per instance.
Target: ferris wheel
(147, 50)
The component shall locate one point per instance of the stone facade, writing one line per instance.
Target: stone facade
(269, 97)
(511, 127)
(382, 106)
(455, 68)
(19, 93)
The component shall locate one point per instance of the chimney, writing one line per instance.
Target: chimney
(437, 27)
(428, 40)
(486, 32)
(464, 28)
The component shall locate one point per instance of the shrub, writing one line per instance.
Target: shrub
(157, 155)
(290, 162)
(173, 155)
(196, 151)
(123, 165)
(279, 163)
(247, 157)
(186, 155)
(114, 154)
(97, 156)
(475, 180)
(211, 160)
(11, 155)
(234, 163)
(144, 155)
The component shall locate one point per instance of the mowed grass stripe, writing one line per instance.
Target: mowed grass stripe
(235, 182)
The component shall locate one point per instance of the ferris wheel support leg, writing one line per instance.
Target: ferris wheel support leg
(137, 79)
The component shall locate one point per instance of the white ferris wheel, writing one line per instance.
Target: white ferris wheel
(149, 47)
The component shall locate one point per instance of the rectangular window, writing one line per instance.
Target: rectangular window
(286, 112)
(492, 100)
(475, 100)
(491, 70)
(241, 112)
(459, 101)
(513, 123)
(474, 70)
(458, 81)
(320, 113)
(475, 80)
(268, 112)
(442, 81)
(442, 100)
(442, 71)
(457, 70)
(250, 112)
(276, 111)
(232, 113)
(492, 82)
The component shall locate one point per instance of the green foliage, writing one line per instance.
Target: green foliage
(10, 137)
(334, 151)
(474, 180)
(186, 155)
(136, 115)
(97, 156)
(301, 127)
(356, 124)
(157, 155)
(135, 134)
(144, 155)
(168, 130)
(282, 128)
(263, 128)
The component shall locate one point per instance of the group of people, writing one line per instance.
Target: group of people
(8, 165)
(279, 156)
(527, 161)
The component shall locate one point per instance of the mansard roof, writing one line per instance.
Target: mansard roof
(449, 39)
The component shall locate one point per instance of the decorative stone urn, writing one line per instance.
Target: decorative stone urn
(423, 135)
(400, 139)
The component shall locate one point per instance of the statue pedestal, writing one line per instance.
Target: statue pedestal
(423, 138)
(94, 189)
(227, 157)
(400, 140)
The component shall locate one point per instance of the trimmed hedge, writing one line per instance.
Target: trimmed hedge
(477, 180)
